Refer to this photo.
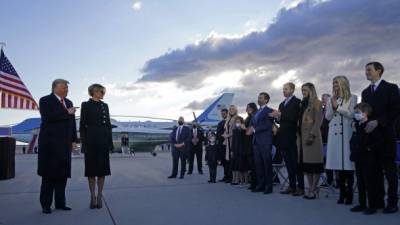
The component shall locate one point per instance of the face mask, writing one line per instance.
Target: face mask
(238, 125)
(180, 123)
(212, 140)
(358, 116)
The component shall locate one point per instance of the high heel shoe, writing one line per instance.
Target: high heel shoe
(316, 192)
(93, 204)
(99, 202)
(313, 195)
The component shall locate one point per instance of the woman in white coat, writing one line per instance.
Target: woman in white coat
(340, 111)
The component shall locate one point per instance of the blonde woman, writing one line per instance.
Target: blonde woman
(340, 111)
(229, 126)
(309, 140)
(96, 136)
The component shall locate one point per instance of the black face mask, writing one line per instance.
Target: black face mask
(180, 123)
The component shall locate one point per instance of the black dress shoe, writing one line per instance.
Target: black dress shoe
(189, 173)
(358, 208)
(369, 211)
(258, 190)
(46, 211)
(181, 177)
(288, 191)
(66, 208)
(222, 180)
(348, 201)
(391, 209)
(340, 201)
(171, 177)
(268, 191)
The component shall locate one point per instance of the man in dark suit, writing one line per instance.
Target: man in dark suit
(261, 127)
(287, 118)
(222, 146)
(180, 140)
(385, 101)
(56, 141)
(196, 148)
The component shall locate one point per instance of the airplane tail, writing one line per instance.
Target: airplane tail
(212, 112)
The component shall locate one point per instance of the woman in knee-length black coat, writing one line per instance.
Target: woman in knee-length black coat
(96, 136)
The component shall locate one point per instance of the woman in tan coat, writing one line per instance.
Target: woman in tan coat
(229, 127)
(309, 140)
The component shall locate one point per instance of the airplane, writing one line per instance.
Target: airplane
(142, 135)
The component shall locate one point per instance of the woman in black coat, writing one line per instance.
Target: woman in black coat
(251, 109)
(96, 137)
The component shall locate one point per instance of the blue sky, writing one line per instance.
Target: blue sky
(186, 52)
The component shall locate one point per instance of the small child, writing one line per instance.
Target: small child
(211, 157)
(364, 148)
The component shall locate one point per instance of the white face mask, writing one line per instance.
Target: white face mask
(358, 116)
(238, 125)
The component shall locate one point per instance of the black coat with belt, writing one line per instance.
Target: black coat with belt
(385, 102)
(96, 136)
(57, 133)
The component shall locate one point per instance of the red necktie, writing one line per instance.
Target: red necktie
(62, 102)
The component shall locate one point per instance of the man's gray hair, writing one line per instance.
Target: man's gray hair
(58, 81)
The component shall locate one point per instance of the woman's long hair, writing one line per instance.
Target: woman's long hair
(344, 88)
(231, 107)
(312, 96)
(252, 106)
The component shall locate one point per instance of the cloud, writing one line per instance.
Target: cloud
(137, 6)
(308, 41)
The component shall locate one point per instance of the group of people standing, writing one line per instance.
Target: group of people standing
(360, 137)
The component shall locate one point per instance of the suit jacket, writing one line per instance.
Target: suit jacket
(184, 137)
(385, 102)
(200, 136)
(286, 136)
(220, 132)
(262, 124)
(57, 132)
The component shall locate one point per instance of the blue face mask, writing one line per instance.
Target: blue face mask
(358, 116)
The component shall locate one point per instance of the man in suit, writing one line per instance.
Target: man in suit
(221, 145)
(196, 148)
(287, 117)
(261, 127)
(56, 141)
(385, 101)
(180, 140)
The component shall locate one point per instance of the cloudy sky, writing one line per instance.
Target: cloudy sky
(169, 58)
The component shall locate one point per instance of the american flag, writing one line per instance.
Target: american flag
(13, 92)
